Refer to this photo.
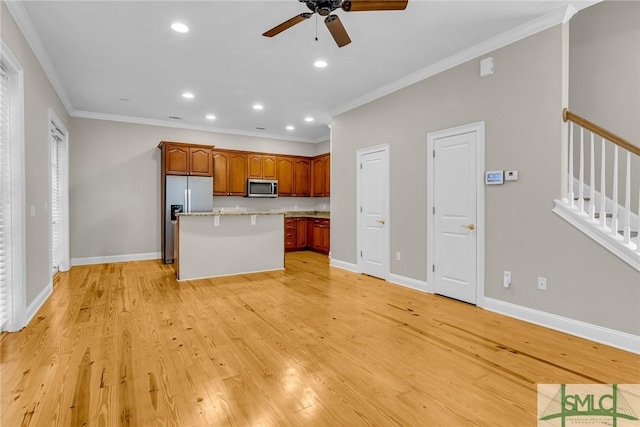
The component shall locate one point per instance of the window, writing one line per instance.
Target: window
(56, 205)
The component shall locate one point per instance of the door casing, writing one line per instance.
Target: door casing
(478, 128)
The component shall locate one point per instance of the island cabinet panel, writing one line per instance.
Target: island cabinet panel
(187, 159)
(301, 177)
(285, 175)
(230, 173)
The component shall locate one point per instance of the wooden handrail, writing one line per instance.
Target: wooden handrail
(609, 136)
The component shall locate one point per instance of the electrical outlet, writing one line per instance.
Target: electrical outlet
(506, 279)
(542, 283)
(397, 256)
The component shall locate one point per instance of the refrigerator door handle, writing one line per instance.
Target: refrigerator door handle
(186, 202)
(189, 193)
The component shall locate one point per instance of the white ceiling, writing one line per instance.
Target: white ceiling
(101, 52)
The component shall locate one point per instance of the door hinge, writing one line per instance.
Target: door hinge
(360, 254)
(433, 268)
(434, 209)
(360, 209)
(434, 153)
(360, 165)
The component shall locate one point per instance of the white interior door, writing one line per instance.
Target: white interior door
(373, 212)
(455, 226)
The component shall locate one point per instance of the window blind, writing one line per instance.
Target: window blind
(56, 225)
(5, 197)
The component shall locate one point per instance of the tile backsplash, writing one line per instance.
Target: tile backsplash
(247, 204)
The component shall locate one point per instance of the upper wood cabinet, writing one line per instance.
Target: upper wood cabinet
(301, 177)
(284, 167)
(321, 176)
(261, 166)
(186, 159)
(230, 173)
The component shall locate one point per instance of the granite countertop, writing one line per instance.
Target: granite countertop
(305, 214)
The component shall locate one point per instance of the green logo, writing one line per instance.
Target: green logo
(588, 404)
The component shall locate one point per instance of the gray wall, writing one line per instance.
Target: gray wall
(115, 182)
(521, 106)
(39, 96)
(604, 78)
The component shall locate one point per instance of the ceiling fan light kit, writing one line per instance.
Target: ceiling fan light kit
(333, 23)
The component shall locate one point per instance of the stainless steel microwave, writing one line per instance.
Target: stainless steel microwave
(262, 187)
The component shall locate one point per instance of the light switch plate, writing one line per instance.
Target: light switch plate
(511, 175)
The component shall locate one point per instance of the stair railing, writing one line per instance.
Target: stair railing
(608, 214)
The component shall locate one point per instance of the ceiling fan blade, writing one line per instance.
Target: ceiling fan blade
(337, 30)
(365, 5)
(287, 24)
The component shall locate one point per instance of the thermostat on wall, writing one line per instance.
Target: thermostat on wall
(494, 177)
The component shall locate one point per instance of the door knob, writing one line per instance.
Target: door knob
(470, 227)
(381, 221)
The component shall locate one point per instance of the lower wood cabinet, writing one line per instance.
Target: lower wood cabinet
(307, 233)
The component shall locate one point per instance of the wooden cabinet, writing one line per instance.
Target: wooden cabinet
(301, 177)
(307, 233)
(186, 159)
(321, 176)
(321, 236)
(284, 166)
(230, 173)
(261, 166)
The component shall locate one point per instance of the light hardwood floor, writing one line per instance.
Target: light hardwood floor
(125, 344)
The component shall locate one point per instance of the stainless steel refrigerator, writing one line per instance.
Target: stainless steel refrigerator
(184, 194)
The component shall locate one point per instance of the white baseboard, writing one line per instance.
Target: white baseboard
(115, 258)
(610, 337)
(37, 303)
(343, 265)
(408, 282)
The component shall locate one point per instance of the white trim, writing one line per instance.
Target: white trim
(18, 290)
(64, 192)
(23, 21)
(614, 244)
(608, 203)
(183, 125)
(387, 213)
(115, 258)
(611, 337)
(478, 128)
(343, 265)
(553, 18)
(37, 303)
(408, 282)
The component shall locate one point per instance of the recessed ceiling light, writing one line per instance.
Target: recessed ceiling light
(290, 127)
(211, 117)
(188, 95)
(179, 27)
(308, 119)
(258, 107)
(320, 63)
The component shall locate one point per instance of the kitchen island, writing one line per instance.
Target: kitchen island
(212, 244)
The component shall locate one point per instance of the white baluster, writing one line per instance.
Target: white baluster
(570, 180)
(614, 212)
(627, 202)
(603, 189)
(592, 179)
(581, 173)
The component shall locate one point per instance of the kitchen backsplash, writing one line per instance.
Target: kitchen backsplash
(275, 204)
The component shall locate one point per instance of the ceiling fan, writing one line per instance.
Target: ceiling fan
(333, 23)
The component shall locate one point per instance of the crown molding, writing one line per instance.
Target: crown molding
(561, 15)
(31, 35)
(180, 125)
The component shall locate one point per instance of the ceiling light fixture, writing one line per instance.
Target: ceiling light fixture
(188, 95)
(179, 27)
(258, 107)
(320, 63)
(211, 117)
(290, 127)
(308, 119)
